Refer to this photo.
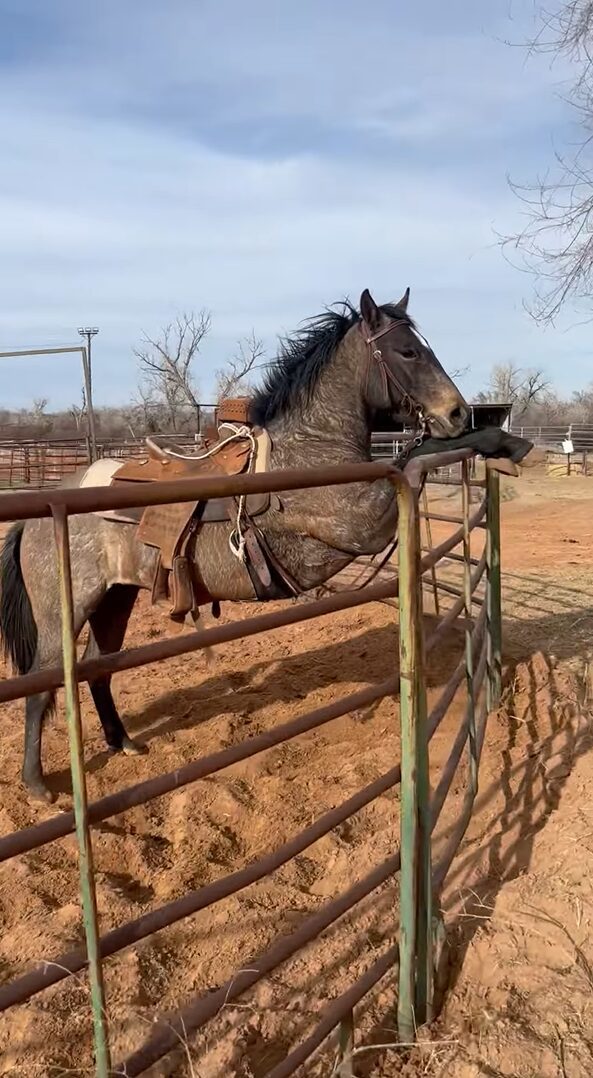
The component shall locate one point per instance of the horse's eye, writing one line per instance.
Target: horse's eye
(407, 353)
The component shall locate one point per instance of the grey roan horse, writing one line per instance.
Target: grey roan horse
(317, 402)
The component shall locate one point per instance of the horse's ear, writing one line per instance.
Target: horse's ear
(402, 304)
(371, 314)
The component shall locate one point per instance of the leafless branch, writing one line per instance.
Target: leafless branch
(459, 372)
(234, 377)
(167, 365)
(556, 241)
(78, 411)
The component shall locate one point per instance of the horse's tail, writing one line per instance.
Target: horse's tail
(17, 624)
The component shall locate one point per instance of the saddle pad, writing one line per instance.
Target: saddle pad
(263, 454)
(100, 474)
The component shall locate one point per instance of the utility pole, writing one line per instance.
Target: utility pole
(89, 332)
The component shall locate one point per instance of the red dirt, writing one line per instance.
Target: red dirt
(522, 987)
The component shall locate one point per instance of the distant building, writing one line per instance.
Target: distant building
(491, 415)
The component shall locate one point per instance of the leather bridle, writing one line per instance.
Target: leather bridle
(407, 403)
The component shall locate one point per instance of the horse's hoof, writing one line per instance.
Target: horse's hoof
(132, 748)
(41, 793)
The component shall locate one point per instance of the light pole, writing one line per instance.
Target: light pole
(89, 332)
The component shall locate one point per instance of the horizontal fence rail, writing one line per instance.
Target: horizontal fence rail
(552, 435)
(478, 669)
(40, 464)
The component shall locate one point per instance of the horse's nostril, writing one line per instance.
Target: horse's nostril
(456, 413)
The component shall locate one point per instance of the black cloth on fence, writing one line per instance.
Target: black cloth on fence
(489, 442)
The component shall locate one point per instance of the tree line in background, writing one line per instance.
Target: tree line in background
(535, 401)
(168, 398)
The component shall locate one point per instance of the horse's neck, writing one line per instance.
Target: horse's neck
(334, 427)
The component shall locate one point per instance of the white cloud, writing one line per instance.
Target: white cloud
(125, 195)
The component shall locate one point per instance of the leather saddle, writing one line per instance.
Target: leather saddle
(172, 528)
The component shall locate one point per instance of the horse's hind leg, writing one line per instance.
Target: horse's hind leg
(107, 629)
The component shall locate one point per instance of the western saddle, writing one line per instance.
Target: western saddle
(233, 448)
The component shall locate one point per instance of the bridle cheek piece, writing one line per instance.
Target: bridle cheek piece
(407, 403)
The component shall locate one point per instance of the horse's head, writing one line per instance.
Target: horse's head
(403, 375)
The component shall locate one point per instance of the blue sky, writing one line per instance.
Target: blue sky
(262, 160)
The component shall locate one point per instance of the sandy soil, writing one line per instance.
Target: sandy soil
(519, 899)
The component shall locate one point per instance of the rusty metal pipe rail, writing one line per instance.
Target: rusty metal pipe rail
(450, 589)
(173, 647)
(56, 827)
(441, 869)
(60, 826)
(450, 769)
(339, 1008)
(421, 466)
(452, 557)
(440, 708)
(172, 1029)
(450, 616)
(196, 1014)
(447, 589)
(455, 538)
(447, 518)
(335, 1012)
(441, 481)
(35, 504)
(51, 973)
(49, 680)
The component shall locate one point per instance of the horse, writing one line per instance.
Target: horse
(316, 402)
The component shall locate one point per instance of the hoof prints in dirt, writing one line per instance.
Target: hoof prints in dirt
(130, 888)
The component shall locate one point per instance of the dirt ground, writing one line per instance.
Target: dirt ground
(518, 902)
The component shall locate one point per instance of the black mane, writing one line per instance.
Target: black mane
(292, 378)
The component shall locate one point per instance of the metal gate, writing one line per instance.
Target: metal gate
(421, 881)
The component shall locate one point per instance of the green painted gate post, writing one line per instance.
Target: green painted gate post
(469, 647)
(85, 850)
(415, 947)
(493, 590)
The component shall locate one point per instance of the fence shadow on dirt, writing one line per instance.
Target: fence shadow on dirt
(544, 726)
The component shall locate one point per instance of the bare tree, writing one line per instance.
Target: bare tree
(42, 422)
(233, 378)
(511, 384)
(459, 372)
(556, 243)
(78, 412)
(167, 365)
